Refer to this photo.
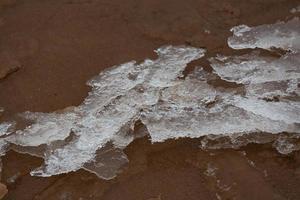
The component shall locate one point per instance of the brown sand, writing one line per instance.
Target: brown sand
(58, 45)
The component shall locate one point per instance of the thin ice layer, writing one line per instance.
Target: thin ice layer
(164, 124)
(48, 127)
(194, 108)
(266, 80)
(152, 92)
(271, 84)
(280, 98)
(274, 90)
(254, 69)
(284, 35)
(118, 95)
(286, 111)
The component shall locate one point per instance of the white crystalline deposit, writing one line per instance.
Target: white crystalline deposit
(271, 83)
(284, 35)
(118, 95)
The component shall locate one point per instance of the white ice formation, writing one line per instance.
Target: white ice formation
(284, 35)
(92, 135)
(271, 83)
(115, 103)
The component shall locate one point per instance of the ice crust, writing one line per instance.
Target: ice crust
(284, 35)
(92, 135)
(254, 69)
(265, 78)
(109, 112)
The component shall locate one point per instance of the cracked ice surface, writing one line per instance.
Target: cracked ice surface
(92, 135)
(271, 83)
(194, 108)
(110, 110)
(265, 78)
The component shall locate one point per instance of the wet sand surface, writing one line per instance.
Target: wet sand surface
(49, 49)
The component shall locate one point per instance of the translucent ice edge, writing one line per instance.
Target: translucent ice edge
(284, 35)
(254, 69)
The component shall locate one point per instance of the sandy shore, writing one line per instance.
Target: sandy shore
(49, 49)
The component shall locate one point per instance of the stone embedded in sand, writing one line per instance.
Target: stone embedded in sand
(8, 65)
(295, 10)
(3, 190)
(286, 144)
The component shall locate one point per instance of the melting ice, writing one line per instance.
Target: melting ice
(92, 135)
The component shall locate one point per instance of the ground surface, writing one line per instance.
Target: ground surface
(49, 49)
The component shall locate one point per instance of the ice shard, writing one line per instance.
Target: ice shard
(283, 35)
(253, 69)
